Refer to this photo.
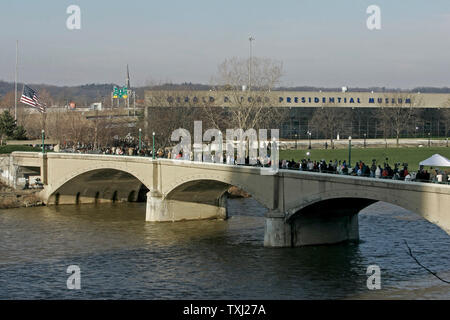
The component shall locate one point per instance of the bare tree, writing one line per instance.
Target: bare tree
(247, 108)
(446, 116)
(330, 120)
(397, 114)
(7, 101)
(167, 111)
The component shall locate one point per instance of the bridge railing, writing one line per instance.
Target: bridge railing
(444, 180)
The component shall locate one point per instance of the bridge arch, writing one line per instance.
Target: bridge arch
(210, 188)
(364, 198)
(331, 216)
(95, 185)
(196, 196)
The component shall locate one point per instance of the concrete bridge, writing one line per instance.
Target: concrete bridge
(303, 208)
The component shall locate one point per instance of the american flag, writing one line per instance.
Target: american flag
(30, 97)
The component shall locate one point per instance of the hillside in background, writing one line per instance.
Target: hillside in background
(82, 95)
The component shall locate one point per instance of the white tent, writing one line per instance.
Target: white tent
(436, 160)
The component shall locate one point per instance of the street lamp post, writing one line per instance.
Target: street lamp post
(429, 139)
(349, 151)
(153, 153)
(15, 81)
(365, 139)
(43, 137)
(140, 140)
(309, 137)
(296, 142)
(250, 39)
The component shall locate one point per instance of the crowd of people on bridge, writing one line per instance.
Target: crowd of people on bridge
(123, 149)
(360, 169)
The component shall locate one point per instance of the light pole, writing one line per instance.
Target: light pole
(140, 140)
(296, 142)
(153, 153)
(15, 81)
(365, 139)
(309, 137)
(134, 103)
(349, 151)
(429, 139)
(43, 136)
(250, 39)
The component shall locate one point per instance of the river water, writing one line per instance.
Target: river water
(123, 257)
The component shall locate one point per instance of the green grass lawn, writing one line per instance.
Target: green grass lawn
(412, 156)
(11, 148)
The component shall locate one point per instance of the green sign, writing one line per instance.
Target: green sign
(120, 92)
(116, 92)
(125, 92)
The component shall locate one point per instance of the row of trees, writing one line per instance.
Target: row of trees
(74, 128)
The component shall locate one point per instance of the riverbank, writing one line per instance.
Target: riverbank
(10, 198)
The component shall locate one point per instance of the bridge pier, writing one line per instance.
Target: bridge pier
(160, 209)
(324, 229)
(309, 230)
(277, 233)
(323, 222)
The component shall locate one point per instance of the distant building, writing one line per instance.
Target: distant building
(292, 99)
(96, 106)
(365, 119)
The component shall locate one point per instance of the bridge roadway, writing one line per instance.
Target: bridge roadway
(304, 208)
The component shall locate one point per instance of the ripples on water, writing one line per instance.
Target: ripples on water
(122, 256)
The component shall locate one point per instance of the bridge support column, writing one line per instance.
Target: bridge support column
(310, 229)
(156, 209)
(44, 168)
(324, 229)
(277, 232)
(161, 210)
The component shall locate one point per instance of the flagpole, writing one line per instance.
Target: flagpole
(15, 81)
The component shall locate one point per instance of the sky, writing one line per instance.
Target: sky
(320, 43)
